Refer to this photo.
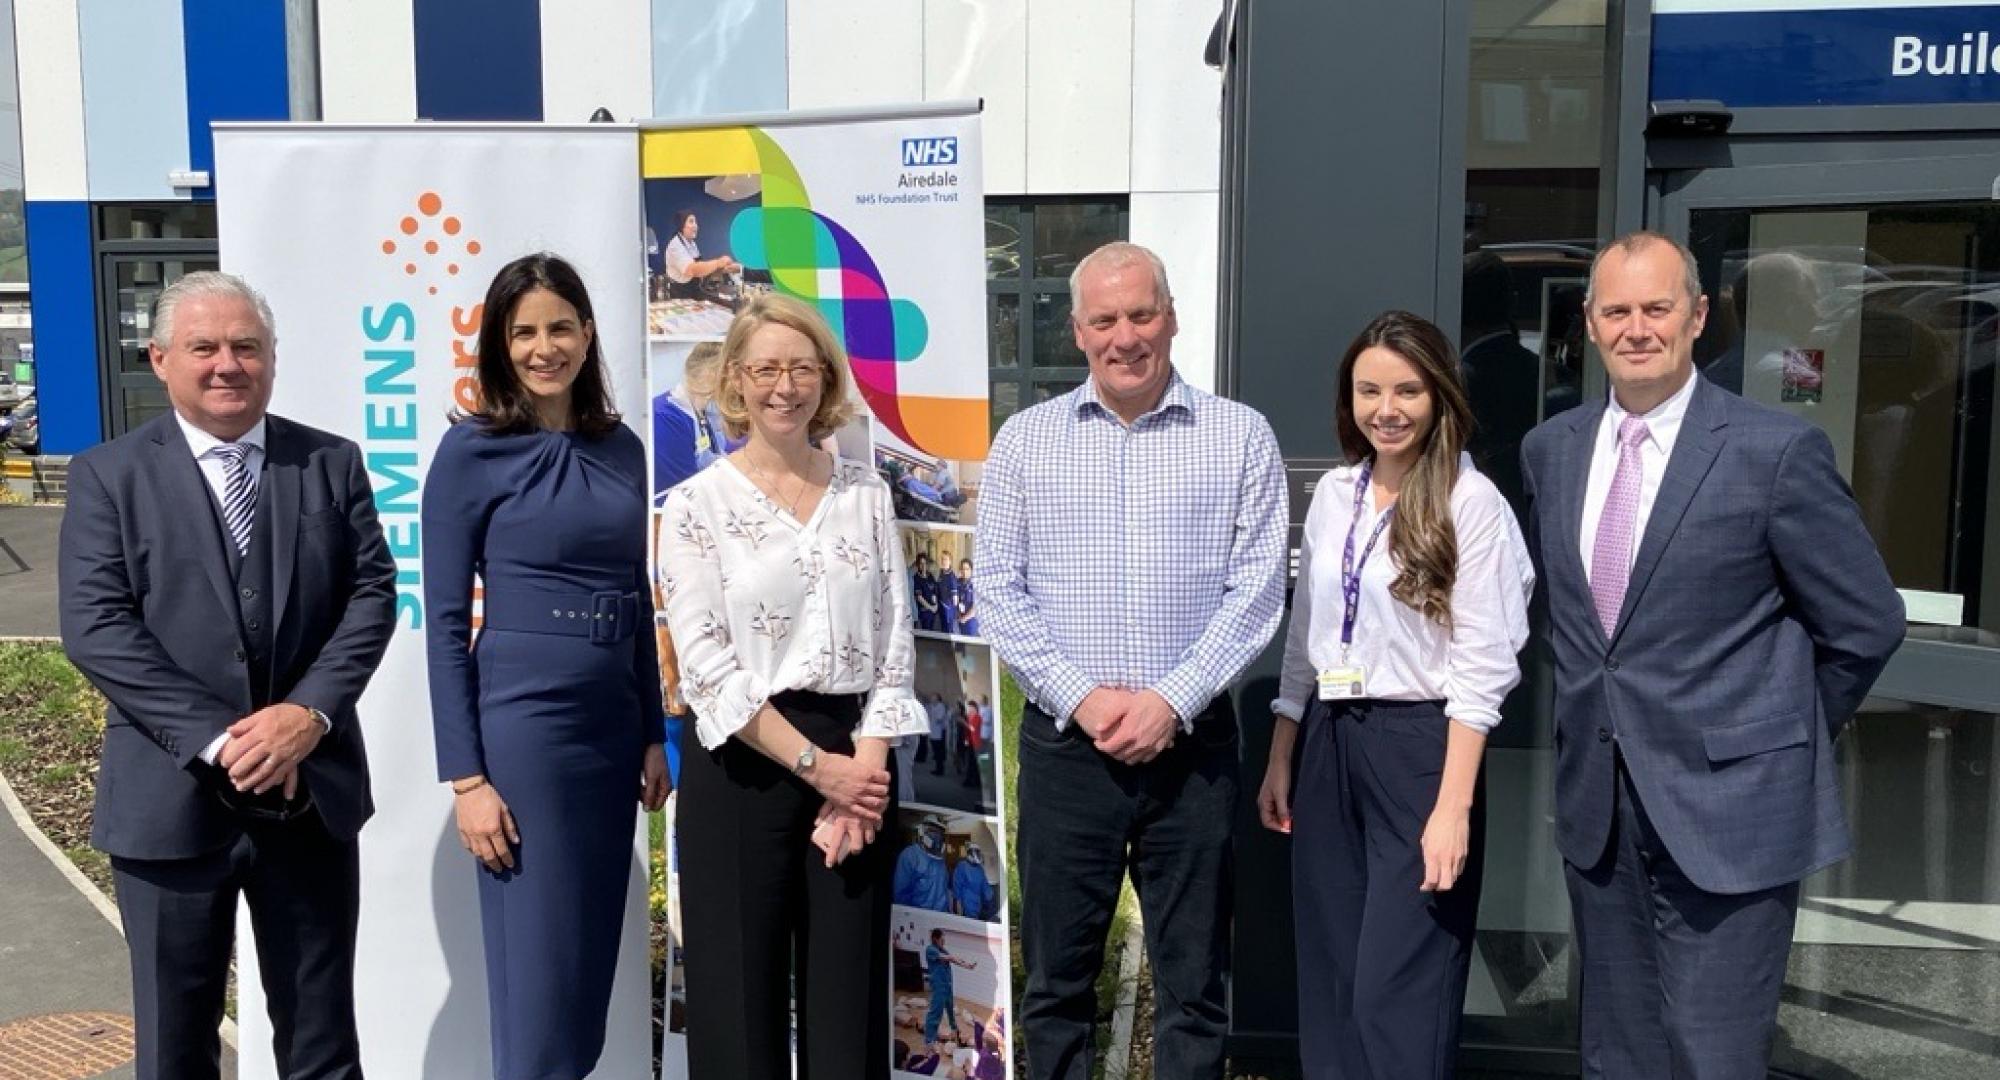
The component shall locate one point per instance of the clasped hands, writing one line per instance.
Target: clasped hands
(856, 792)
(1131, 726)
(264, 749)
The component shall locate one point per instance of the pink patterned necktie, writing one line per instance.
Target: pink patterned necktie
(1611, 553)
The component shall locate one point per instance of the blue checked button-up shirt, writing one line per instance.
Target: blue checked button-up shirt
(1144, 557)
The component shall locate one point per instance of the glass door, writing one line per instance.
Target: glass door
(1864, 296)
(133, 284)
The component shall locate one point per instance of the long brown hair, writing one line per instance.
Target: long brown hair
(506, 407)
(1422, 539)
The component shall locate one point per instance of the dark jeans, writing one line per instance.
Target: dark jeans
(1085, 820)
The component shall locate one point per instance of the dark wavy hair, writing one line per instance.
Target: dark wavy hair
(1423, 539)
(505, 406)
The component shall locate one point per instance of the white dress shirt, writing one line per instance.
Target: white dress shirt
(760, 603)
(203, 444)
(212, 471)
(1407, 656)
(1663, 426)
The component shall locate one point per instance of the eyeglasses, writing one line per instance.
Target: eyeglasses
(765, 376)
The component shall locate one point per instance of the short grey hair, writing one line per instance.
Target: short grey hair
(1632, 243)
(204, 284)
(1117, 255)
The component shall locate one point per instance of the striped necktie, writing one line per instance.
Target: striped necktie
(239, 493)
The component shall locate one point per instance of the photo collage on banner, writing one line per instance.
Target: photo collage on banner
(876, 221)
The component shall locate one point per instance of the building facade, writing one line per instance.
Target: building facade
(1834, 165)
(1100, 121)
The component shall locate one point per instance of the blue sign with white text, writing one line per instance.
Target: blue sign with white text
(1841, 56)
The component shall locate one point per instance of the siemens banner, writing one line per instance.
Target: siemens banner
(1751, 53)
(374, 245)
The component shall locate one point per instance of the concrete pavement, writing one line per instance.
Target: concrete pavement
(28, 570)
(59, 957)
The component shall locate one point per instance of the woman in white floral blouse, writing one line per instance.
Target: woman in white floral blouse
(788, 597)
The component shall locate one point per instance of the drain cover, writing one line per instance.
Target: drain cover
(64, 1046)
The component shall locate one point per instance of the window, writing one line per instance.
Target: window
(1032, 244)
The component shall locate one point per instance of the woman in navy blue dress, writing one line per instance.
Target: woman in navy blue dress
(549, 722)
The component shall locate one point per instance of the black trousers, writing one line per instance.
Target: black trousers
(1382, 965)
(766, 920)
(1676, 981)
(1085, 820)
(303, 887)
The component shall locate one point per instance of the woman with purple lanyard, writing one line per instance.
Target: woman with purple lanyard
(1411, 605)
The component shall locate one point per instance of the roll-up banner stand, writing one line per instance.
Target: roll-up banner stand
(877, 219)
(374, 245)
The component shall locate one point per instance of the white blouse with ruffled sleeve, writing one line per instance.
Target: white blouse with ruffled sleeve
(760, 603)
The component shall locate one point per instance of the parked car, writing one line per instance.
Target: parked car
(25, 432)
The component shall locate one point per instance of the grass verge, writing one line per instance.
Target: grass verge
(51, 725)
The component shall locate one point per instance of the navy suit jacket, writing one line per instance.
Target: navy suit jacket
(149, 615)
(1757, 616)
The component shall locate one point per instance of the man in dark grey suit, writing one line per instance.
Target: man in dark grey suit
(1718, 611)
(226, 585)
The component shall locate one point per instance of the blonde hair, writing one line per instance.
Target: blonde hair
(835, 404)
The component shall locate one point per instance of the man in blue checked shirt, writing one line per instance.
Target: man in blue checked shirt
(1129, 563)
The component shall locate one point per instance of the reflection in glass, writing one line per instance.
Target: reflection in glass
(1055, 339)
(1003, 242)
(1895, 970)
(1532, 142)
(158, 221)
(1067, 231)
(1003, 400)
(1881, 326)
(142, 403)
(1532, 151)
(1003, 330)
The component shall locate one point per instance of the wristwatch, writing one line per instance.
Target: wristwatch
(808, 754)
(325, 723)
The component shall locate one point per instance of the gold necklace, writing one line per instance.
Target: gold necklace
(771, 487)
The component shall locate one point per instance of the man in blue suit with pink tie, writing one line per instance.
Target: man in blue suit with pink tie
(1717, 611)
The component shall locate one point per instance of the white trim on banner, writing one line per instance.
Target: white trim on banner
(843, 115)
(374, 244)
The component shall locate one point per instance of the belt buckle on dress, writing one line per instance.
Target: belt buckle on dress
(609, 610)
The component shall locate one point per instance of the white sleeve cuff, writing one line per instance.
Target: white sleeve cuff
(213, 750)
(721, 710)
(893, 712)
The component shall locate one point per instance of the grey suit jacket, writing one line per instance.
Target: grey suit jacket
(149, 615)
(1757, 616)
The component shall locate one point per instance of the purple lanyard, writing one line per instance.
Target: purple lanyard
(1350, 568)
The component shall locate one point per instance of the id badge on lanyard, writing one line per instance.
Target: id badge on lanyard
(1348, 681)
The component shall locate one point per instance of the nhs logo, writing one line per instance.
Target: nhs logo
(926, 152)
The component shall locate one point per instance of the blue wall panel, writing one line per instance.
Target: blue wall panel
(716, 58)
(236, 69)
(64, 299)
(479, 59)
(1845, 56)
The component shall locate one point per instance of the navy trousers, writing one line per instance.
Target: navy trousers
(1382, 964)
(1676, 982)
(303, 887)
(1085, 820)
